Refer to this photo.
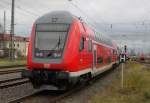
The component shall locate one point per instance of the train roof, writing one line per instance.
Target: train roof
(67, 18)
(56, 17)
(101, 38)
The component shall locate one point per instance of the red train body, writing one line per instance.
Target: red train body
(63, 50)
(142, 57)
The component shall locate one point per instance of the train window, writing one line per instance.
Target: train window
(109, 59)
(114, 52)
(52, 27)
(100, 60)
(50, 40)
(90, 45)
(82, 43)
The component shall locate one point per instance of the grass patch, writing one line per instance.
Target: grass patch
(7, 62)
(136, 87)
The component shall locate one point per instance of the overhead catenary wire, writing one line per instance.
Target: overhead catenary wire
(20, 12)
(93, 22)
(93, 19)
(9, 11)
(21, 9)
(3, 5)
(85, 15)
(31, 11)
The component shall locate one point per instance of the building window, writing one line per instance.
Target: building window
(18, 45)
(24, 39)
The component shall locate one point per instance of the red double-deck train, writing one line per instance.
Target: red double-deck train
(63, 50)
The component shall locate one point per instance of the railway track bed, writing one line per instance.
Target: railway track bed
(11, 70)
(16, 89)
(36, 96)
(13, 82)
(9, 74)
(11, 66)
(146, 64)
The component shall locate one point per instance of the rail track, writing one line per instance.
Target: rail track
(54, 98)
(11, 70)
(8, 82)
(147, 65)
(11, 66)
(67, 93)
(13, 82)
(143, 62)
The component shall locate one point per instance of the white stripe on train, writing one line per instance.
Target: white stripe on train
(94, 72)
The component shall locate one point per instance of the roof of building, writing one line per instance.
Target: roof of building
(7, 37)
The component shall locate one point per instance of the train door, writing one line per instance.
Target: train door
(94, 56)
(82, 47)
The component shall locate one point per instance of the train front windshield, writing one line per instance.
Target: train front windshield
(50, 40)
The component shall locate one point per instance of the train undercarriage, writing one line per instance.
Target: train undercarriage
(59, 79)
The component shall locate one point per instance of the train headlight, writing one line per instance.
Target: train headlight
(37, 54)
(41, 54)
(57, 54)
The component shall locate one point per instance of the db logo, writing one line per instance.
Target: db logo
(47, 65)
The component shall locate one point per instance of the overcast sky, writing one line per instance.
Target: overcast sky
(126, 16)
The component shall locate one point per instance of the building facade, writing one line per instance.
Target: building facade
(20, 45)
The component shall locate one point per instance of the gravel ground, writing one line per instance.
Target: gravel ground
(11, 93)
(82, 96)
(41, 97)
(14, 68)
(85, 95)
(10, 76)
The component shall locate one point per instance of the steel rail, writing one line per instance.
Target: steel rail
(14, 83)
(10, 71)
(10, 80)
(11, 66)
(71, 91)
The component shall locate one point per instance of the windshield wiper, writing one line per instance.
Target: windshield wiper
(59, 41)
(57, 45)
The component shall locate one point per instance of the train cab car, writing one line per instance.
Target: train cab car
(63, 50)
